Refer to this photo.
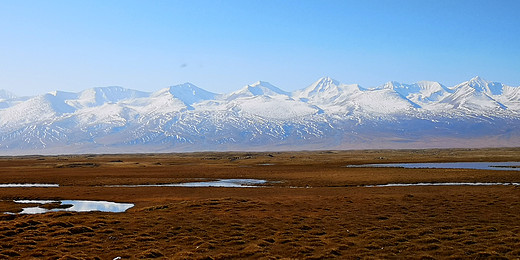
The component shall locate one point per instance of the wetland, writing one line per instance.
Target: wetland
(333, 215)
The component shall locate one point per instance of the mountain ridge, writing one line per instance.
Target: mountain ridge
(327, 114)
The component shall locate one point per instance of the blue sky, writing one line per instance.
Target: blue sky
(224, 45)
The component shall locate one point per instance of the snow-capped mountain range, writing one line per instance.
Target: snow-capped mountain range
(325, 115)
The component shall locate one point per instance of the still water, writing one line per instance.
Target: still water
(226, 183)
(29, 185)
(75, 206)
(447, 184)
(499, 166)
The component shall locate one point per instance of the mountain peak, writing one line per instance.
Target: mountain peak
(190, 93)
(184, 85)
(265, 88)
(327, 81)
(261, 83)
(109, 88)
(325, 90)
(477, 80)
(325, 115)
(100, 95)
(258, 88)
(484, 86)
(62, 94)
(323, 84)
(391, 85)
(4, 94)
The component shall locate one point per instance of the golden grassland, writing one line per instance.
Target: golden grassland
(312, 208)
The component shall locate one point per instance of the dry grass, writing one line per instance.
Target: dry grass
(332, 219)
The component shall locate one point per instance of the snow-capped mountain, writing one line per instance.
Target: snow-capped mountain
(4, 94)
(259, 88)
(8, 99)
(422, 94)
(190, 94)
(326, 114)
(99, 96)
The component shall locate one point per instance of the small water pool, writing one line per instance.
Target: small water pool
(446, 184)
(498, 166)
(226, 183)
(74, 206)
(29, 185)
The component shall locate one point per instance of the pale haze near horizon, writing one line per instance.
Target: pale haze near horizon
(223, 45)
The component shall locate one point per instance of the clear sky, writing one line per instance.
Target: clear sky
(223, 45)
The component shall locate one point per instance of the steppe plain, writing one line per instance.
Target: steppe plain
(312, 207)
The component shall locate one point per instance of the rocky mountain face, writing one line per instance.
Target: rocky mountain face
(325, 115)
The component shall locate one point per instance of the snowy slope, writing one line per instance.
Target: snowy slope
(327, 92)
(264, 100)
(99, 96)
(423, 94)
(494, 92)
(333, 97)
(259, 88)
(38, 109)
(190, 94)
(276, 107)
(510, 97)
(8, 99)
(475, 96)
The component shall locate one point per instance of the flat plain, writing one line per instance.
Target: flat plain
(312, 206)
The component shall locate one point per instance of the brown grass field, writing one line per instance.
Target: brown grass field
(313, 207)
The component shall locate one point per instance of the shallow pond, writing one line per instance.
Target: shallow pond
(446, 184)
(226, 183)
(75, 206)
(28, 185)
(499, 166)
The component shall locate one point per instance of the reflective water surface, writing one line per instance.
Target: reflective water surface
(501, 166)
(227, 183)
(446, 184)
(75, 206)
(28, 185)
